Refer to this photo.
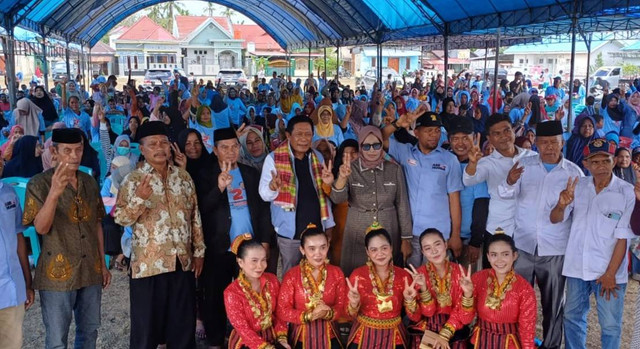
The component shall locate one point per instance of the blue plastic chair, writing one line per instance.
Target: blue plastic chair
(86, 170)
(19, 184)
(135, 148)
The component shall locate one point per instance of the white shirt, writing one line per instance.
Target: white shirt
(494, 169)
(536, 194)
(599, 220)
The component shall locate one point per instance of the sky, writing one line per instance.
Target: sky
(201, 7)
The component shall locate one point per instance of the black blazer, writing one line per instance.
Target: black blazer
(216, 213)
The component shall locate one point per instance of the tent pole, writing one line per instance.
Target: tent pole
(574, 23)
(446, 62)
(325, 63)
(380, 68)
(309, 59)
(11, 67)
(338, 62)
(486, 50)
(66, 55)
(495, 73)
(586, 81)
(45, 64)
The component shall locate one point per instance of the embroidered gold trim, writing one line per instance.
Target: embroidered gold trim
(59, 268)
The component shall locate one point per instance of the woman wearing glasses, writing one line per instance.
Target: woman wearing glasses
(376, 190)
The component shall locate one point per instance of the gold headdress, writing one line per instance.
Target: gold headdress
(238, 240)
(498, 231)
(309, 226)
(374, 226)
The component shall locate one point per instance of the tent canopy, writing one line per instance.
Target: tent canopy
(296, 24)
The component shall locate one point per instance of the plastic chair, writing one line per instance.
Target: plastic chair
(86, 170)
(135, 148)
(19, 184)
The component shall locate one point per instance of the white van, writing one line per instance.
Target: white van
(606, 77)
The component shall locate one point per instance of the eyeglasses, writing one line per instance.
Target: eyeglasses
(367, 147)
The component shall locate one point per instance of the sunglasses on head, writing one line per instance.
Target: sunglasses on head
(375, 146)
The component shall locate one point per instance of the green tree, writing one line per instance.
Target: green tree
(629, 69)
(227, 12)
(332, 65)
(210, 8)
(163, 14)
(260, 62)
(598, 63)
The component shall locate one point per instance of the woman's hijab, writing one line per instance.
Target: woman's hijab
(31, 121)
(209, 123)
(47, 157)
(24, 162)
(364, 133)
(626, 174)
(49, 112)
(358, 113)
(193, 165)
(577, 142)
(253, 161)
(325, 129)
(349, 142)
(617, 113)
(218, 104)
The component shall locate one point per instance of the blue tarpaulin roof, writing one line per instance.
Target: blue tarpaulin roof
(303, 23)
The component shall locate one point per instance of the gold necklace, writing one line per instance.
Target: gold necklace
(498, 291)
(312, 289)
(442, 285)
(383, 292)
(262, 308)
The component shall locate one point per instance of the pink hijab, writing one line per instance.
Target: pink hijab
(47, 157)
(11, 133)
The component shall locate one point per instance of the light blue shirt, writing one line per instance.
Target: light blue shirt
(13, 290)
(237, 110)
(430, 179)
(73, 120)
(337, 138)
(468, 196)
(240, 215)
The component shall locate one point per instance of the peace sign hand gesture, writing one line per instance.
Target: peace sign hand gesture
(475, 154)
(567, 195)
(515, 173)
(327, 174)
(224, 178)
(418, 278)
(465, 281)
(276, 182)
(345, 168)
(353, 295)
(179, 158)
(409, 292)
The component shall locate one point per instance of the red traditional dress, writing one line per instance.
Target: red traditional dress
(444, 308)
(300, 294)
(252, 314)
(377, 323)
(506, 312)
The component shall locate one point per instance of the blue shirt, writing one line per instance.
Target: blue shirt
(13, 291)
(240, 215)
(551, 90)
(337, 138)
(73, 120)
(237, 110)
(468, 196)
(430, 179)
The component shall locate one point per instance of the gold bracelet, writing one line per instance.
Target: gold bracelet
(467, 302)
(353, 310)
(447, 332)
(425, 297)
(282, 337)
(329, 315)
(411, 305)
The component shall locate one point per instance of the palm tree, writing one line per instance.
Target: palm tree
(210, 8)
(163, 14)
(227, 12)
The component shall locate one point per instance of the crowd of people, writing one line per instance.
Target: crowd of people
(420, 214)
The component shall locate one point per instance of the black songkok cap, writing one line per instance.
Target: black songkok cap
(549, 128)
(224, 133)
(66, 135)
(152, 128)
(461, 124)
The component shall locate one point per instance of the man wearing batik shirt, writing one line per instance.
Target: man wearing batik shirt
(66, 209)
(167, 246)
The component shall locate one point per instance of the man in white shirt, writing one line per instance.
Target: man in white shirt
(493, 169)
(535, 182)
(275, 83)
(596, 255)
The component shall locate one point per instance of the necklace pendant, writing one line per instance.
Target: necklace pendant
(444, 299)
(493, 302)
(384, 304)
(314, 300)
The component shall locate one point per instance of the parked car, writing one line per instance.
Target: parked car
(158, 77)
(369, 78)
(232, 77)
(59, 70)
(606, 77)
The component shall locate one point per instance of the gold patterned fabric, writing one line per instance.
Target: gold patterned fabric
(165, 226)
(70, 258)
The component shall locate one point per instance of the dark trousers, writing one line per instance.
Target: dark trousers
(547, 271)
(163, 310)
(219, 270)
